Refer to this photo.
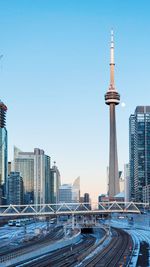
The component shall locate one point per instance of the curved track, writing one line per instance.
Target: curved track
(116, 253)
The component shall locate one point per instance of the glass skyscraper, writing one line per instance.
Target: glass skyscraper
(139, 151)
(3, 152)
(24, 163)
(34, 167)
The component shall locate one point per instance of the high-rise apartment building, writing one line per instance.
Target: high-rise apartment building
(15, 189)
(139, 152)
(112, 98)
(3, 152)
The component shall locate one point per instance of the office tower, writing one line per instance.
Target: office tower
(112, 98)
(41, 175)
(65, 193)
(55, 183)
(76, 190)
(3, 152)
(139, 151)
(34, 168)
(24, 163)
(127, 182)
(15, 189)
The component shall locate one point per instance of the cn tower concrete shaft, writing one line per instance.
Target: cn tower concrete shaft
(112, 98)
(113, 157)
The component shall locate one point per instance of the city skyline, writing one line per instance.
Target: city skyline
(55, 70)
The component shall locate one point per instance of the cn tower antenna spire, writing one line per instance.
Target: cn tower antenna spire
(112, 62)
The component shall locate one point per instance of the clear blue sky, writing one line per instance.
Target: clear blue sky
(55, 72)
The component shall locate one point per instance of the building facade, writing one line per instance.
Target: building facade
(15, 189)
(34, 168)
(3, 153)
(87, 200)
(65, 193)
(39, 176)
(131, 156)
(121, 182)
(48, 193)
(24, 163)
(139, 152)
(55, 182)
(76, 190)
(146, 194)
(9, 167)
(127, 182)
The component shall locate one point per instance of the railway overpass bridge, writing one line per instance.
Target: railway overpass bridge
(93, 208)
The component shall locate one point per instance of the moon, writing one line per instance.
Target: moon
(123, 105)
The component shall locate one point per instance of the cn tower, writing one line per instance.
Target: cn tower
(112, 98)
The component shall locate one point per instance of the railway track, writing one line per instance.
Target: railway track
(140, 237)
(56, 234)
(67, 256)
(115, 254)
